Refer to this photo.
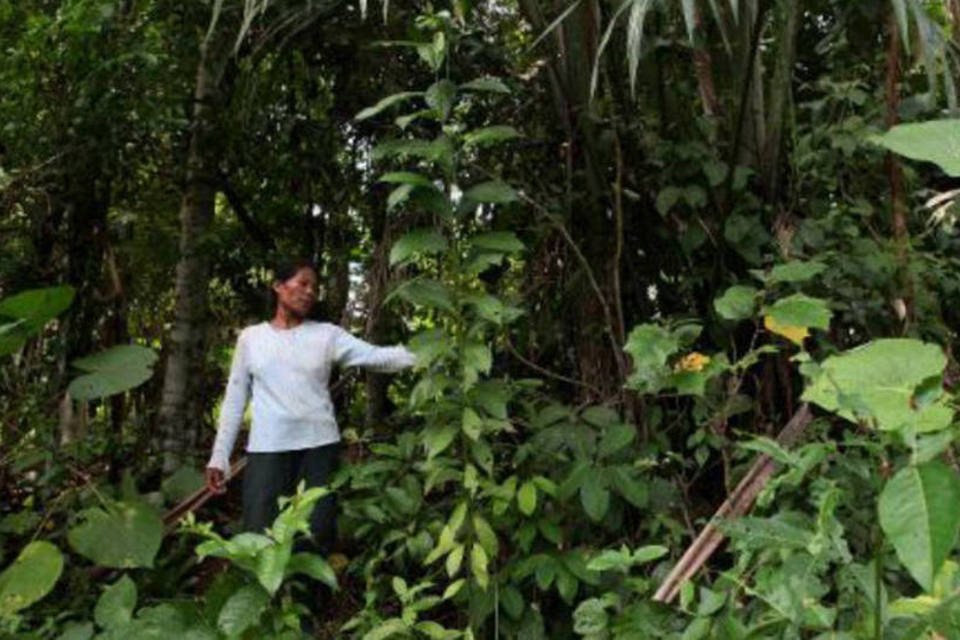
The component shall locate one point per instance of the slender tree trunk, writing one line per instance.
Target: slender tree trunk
(180, 415)
(703, 67)
(377, 322)
(754, 111)
(898, 213)
(790, 13)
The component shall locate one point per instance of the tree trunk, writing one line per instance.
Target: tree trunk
(703, 67)
(181, 414)
(790, 12)
(754, 135)
(588, 198)
(898, 213)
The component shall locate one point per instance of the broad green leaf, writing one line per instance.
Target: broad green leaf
(527, 498)
(433, 52)
(667, 198)
(436, 631)
(590, 618)
(491, 308)
(398, 196)
(767, 533)
(486, 535)
(386, 103)
(417, 242)
(649, 346)
(134, 530)
(489, 136)
(918, 513)
(439, 150)
(594, 496)
(272, 564)
(800, 310)
(407, 177)
(424, 292)
(471, 423)
(438, 438)
(493, 191)
(649, 553)
(503, 241)
(453, 588)
(440, 96)
(31, 576)
(242, 610)
(37, 306)
(387, 629)
(313, 566)
(795, 271)
(115, 607)
(478, 565)
(936, 141)
(737, 303)
(616, 437)
(454, 560)
(567, 586)
(477, 357)
(610, 559)
(600, 416)
(429, 346)
(877, 381)
(624, 480)
(28, 312)
(489, 84)
(113, 371)
(791, 332)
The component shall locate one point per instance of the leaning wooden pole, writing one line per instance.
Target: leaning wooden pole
(737, 504)
(197, 499)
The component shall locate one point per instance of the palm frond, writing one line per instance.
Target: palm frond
(556, 23)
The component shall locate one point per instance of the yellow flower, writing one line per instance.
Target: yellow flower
(791, 332)
(694, 361)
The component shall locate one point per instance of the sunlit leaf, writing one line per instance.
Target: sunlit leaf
(936, 141)
(918, 513)
(113, 371)
(30, 577)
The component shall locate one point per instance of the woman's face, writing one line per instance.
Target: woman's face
(298, 294)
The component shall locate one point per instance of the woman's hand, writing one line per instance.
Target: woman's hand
(215, 480)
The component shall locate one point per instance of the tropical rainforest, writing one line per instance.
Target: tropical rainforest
(682, 279)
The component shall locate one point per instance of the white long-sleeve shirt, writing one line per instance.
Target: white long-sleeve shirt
(284, 372)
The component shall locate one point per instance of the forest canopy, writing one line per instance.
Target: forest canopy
(681, 278)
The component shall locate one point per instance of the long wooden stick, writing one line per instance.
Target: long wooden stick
(197, 499)
(737, 504)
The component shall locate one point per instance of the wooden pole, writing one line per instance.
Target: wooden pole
(737, 504)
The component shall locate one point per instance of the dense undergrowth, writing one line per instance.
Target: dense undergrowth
(499, 506)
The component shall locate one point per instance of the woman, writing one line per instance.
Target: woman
(284, 366)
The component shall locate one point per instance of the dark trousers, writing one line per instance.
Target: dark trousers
(271, 475)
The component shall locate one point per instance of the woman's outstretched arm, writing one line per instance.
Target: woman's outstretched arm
(350, 351)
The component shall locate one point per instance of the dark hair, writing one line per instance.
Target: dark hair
(285, 269)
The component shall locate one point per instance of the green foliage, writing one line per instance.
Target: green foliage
(25, 314)
(936, 141)
(115, 607)
(878, 383)
(133, 528)
(918, 515)
(270, 557)
(30, 577)
(113, 371)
